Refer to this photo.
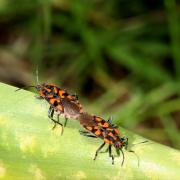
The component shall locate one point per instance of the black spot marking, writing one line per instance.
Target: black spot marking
(55, 103)
(65, 94)
(93, 130)
(110, 138)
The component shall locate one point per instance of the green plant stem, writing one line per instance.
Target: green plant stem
(30, 149)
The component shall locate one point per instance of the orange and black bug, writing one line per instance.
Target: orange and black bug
(99, 128)
(60, 101)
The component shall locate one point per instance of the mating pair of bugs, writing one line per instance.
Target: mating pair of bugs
(67, 105)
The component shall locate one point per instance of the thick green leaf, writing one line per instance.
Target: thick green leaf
(29, 149)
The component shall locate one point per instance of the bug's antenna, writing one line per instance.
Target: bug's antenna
(135, 155)
(37, 79)
(110, 119)
(24, 87)
(140, 143)
(37, 75)
(122, 157)
(134, 151)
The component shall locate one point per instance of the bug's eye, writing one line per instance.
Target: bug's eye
(55, 103)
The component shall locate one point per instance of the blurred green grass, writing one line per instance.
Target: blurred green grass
(121, 57)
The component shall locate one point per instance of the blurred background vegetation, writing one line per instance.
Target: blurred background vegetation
(121, 57)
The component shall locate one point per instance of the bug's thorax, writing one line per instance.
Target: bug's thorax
(47, 90)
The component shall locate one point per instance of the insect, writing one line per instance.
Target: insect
(60, 101)
(97, 127)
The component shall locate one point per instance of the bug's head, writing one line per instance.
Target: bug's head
(125, 142)
(122, 142)
(41, 89)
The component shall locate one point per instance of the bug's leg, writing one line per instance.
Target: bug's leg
(51, 114)
(65, 122)
(96, 154)
(105, 150)
(117, 151)
(125, 142)
(123, 157)
(110, 153)
(60, 124)
(58, 117)
(87, 134)
(83, 132)
(135, 155)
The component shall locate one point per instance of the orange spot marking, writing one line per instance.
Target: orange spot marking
(55, 90)
(98, 119)
(117, 131)
(48, 90)
(59, 107)
(98, 132)
(61, 92)
(111, 134)
(115, 138)
(107, 141)
(41, 94)
(52, 101)
(105, 124)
